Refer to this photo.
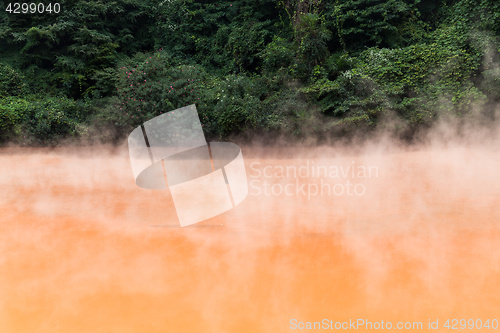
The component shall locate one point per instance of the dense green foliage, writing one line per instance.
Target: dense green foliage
(99, 68)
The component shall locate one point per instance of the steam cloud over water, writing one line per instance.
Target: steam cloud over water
(83, 249)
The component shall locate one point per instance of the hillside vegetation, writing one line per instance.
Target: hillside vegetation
(97, 69)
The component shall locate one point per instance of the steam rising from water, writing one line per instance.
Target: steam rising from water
(83, 249)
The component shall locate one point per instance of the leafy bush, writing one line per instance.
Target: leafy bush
(365, 23)
(12, 82)
(312, 37)
(48, 120)
(149, 85)
(413, 80)
(235, 104)
(41, 120)
(152, 84)
(12, 111)
(277, 54)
